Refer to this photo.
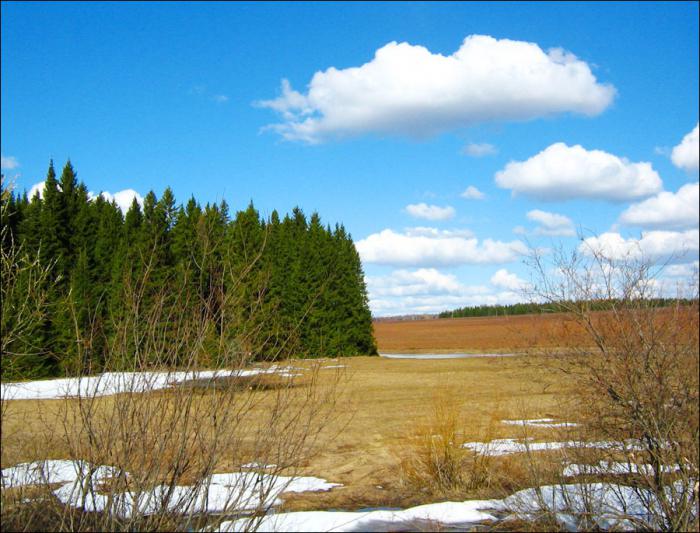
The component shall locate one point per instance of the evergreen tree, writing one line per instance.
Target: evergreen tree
(280, 287)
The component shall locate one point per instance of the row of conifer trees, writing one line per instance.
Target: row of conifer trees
(294, 285)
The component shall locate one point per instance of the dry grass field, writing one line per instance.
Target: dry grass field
(386, 410)
(385, 404)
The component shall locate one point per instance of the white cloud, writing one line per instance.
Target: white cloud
(552, 224)
(220, 98)
(8, 162)
(422, 231)
(390, 248)
(685, 270)
(479, 149)
(672, 246)
(685, 155)
(472, 193)
(408, 90)
(507, 280)
(407, 283)
(430, 212)
(123, 198)
(561, 172)
(428, 290)
(37, 188)
(666, 210)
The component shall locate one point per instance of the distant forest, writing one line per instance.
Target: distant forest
(295, 285)
(532, 308)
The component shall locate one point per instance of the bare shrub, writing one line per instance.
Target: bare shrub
(634, 359)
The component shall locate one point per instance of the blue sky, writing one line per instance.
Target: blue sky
(386, 137)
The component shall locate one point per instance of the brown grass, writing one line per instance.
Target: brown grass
(385, 402)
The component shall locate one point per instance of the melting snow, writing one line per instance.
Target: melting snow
(118, 382)
(616, 468)
(51, 471)
(509, 446)
(239, 491)
(575, 507)
(540, 423)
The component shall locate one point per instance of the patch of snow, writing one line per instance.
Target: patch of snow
(575, 506)
(510, 446)
(540, 423)
(119, 382)
(615, 468)
(238, 491)
(446, 513)
(258, 465)
(334, 366)
(52, 471)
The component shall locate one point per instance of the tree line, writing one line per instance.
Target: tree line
(550, 307)
(283, 287)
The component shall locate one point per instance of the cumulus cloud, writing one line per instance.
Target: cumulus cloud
(684, 270)
(685, 155)
(422, 231)
(407, 283)
(8, 162)
(428, 290)
(390, 248)
(561, 172)
(507, 280)
(220, 98)
(430, 212)
(408, 90)
(472, 193)
(479, 149)
(666, 210)
(36, 188)
(671, 246)
(123, 199)
(551, 224)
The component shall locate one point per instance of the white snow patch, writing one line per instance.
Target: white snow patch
(119, 382)
(575, 507)
(540, 423)
(239, 491)
(616, 468)
(446, 513)
(52, 471)
(510, 446)
(258, 465)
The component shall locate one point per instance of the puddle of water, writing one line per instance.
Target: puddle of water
(443, 355)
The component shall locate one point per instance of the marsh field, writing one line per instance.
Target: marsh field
(392, 433)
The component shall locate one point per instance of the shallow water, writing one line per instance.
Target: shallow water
(442, 355)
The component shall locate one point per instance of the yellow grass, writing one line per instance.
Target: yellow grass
(385, 403)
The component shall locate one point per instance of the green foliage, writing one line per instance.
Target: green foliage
(292, 286)
(533, 308)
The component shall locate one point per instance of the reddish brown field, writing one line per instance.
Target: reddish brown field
(515, 333)
(478, 334)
